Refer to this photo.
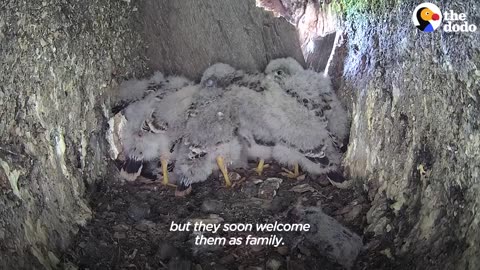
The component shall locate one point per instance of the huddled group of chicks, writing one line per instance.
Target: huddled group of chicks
(286, 114)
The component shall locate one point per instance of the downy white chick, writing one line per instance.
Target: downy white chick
(302, 138)
(168, 122)
(256, 138)
(142, 140)
(314, 91)
(210, 132)
(246, 99)
(134, 90)
(138, 140)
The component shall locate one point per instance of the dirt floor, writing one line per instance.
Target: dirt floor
(130, 228)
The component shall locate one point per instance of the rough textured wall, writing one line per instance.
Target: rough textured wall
(317, 23)
(187, 36)
(415, 136)
(319, 51)
(57, 60)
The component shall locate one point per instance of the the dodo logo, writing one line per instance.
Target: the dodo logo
(427, 17)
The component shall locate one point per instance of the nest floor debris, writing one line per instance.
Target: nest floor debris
(130, 228)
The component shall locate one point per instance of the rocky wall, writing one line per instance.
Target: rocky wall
(415, 134)
(61, 61)
(58, 59)
(185, 37)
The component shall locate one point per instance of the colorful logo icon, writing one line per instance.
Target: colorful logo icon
(427, 17)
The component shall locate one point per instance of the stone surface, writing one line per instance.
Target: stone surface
(179, 264)
(329, 237)
(212, 206)
(138, 211)
(282, 250)
(302, 188)
(187, 36)
(119, 235)
(317, 24)
(167, 251)
(281, 203)
(318, 52)
(322, 180)
(121, 228)
(58, 61)
(353, 213)
(414, 99)
(268, 189)
(145, 225)
(415, 134)
(227, 259)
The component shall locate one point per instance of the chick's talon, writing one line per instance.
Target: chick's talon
(288, 175)
(293, 175)
(170, 185)
(182, 191)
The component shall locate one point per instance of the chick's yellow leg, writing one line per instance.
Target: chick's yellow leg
(296, 170)
(223, 169)
(165, 180)
(261, 165)
(290, 174)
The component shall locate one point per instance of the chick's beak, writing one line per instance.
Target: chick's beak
(435, 17)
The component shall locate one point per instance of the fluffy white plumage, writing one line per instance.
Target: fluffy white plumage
(250, 104)
(288, 65)
(210, 130)
(288, 114)
(146, 135)
(168, 121)
(312, 90)
(134, 90)
(138, 140)
(168, 118)
(301, 137)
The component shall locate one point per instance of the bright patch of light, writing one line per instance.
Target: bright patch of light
(310, 47)
(338, 34)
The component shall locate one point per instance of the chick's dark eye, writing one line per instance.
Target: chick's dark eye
(145, 127)
(280, 72)
(209, 82)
